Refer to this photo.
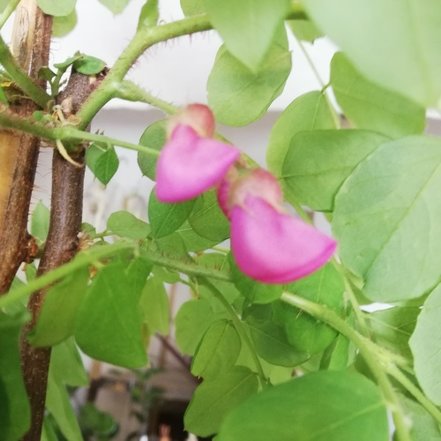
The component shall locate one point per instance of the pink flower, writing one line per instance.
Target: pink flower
(191, 162)
(267, 244)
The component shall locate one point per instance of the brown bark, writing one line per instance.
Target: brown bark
(19, 152)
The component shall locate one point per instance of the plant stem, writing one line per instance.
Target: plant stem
(367, 350)
(23, 81)
(10, 7)
(241, 330)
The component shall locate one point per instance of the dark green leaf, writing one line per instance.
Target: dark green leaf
(239, 96)
(167, 218)
(192, 240)
(124, 224)
(319, 161)
(155, 306)
(109, 324)
(57, 8)
(103, 162)
(372, 107)
(307, 112)
(247, 27)
(116, 6)
(154, 137)
(40, 222)
(56, 321)
(384, 219)
(323, 406)
(214, 399)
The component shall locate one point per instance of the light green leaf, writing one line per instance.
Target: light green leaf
(154, 137)
(124, 224)
(208, 220)
(56, 321)
(15, 416)
(426, 347)
(149, 15)
(109, 323)
(167, 218)
(192, 240)
(57, 8)
(372, 107)
(384, 219)
(40, 222)
(304, 30)
(307, 112)
(193, 7)
(239, 96)
(155, 306)
(88, 65)
(102, 161)
(116, 6)
(402, 54)
(218, 350)
(214, 399)
(323, 406)
(319, 161)
(64, 25)
(247, 26)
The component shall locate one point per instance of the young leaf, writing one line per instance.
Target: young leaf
(193, 7)
(155, 306)
(247, 27)
(425, 346)
(372, 107)
(56, 321)
(88, 65)
(40, 222)
(103, 162)
(167, 218)
(218, 350)
(154, 137)
(304, 30)
(116, 6)
(109, 323)
(383, 218)
(124, 224)
(149, 15)
(64, 25)
(213, 399)
(57, 8)
(323, 406)
(373, 49)
(238, 95)
(307, 112)
(208, 220)
(319, 161)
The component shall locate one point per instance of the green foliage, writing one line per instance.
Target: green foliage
(385, 207)
(124, 224)
(149, 15)
(57, 8)
(304, 30)
(154, 137)
(372, 107)
(238, 95)
(407, 42)
(193, 7)
(116, 6)
(102, 161)
(331, 406)
(64, 25)
(88, 65)
(40, 222)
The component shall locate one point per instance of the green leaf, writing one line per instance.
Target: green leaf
(193, 319)
(319, 161)
(247, 27)
(239, 96)
(57, 8)
(425, 346)
(304, 30)
(323, 406)
(304, 332)
(109, 323)
(88, 65)
(103, 162)
(154, 137)
(372, 107)
(192, 240)
(155, 306)
(383, 219)
(124, 224)
(393, 327)
(116, 6)
(270, 340)
(208, 220)
(193, 7)
(307, 112)
(402, 54)
(64, 25)
(218, 350)
(149, 15)
(167, 218)
(56, 321)
(214, 399)
(40, 222)
(15, 416)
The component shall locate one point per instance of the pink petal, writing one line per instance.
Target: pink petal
(273, 247)
(189, 165)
